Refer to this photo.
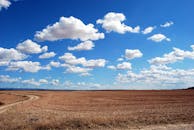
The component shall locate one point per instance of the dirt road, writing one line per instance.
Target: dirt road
(6, 107)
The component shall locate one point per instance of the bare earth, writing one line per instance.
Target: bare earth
(157, 110)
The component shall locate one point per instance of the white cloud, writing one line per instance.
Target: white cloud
(43, 81)
(31, 82)
(131, 54)
(148, 30)
(47, 55)
(4, 4)
(192, 46)
(85, 74)
(77, 69)
(86, 45)
(114, 22)
(54, 64)
(7, 55)
(69, 28)
(27, 66)
(112, 67)
(81, 85)
(167, 24)
(69, 58)
(124, 66)
(120, 66)
(82, 71)
(47, 67)
(95, 63)
(30, 47)
(159, 75)
(120, 59)
(72, 64)
(174, 56)
(158, 38)
(8, 79)
(55, 82)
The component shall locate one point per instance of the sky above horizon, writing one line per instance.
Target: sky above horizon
(88, 44)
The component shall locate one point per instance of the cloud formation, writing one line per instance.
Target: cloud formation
(69, 58)
(174, 56)
(47, 55)
(113, 22)
(69, 28)
(27, 66)
(7, 55)
(124, 66)
(148, 30)
(83, 46)
(167, 24)
(8, 79)
(158, 38)
(4, 4)
(131, 54)
(158, 75)
(120, 66)
(30, 47)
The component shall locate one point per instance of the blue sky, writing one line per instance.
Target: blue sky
(89, 44)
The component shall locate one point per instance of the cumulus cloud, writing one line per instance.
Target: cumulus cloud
(167, 24)
(43, 81)
(159, 75)
(31, 82)
(72, 64)
(30, 47)
(55, 82)
(131, 54)
(81, 85)
(47, 55)
(69, 58)
(174, 56)
(77, 69)
(4, 4)
(113, 22)
(120, 66)
(112, 67)
(158, 38)
(73, 69)
(7, 55)
(95, 63)
(54, 64)
(124, 66)
(120, 59)
(69, 28)
(148, 30)
(27, 66)
(83, 46)
(8, 79)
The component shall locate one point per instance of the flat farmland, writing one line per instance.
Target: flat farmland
(133, 109)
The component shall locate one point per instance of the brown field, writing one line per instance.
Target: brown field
(8, 97)
(98, 109)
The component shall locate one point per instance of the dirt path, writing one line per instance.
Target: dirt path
(6, 107)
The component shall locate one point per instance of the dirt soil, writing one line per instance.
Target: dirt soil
(102, 110)
(7, 97)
